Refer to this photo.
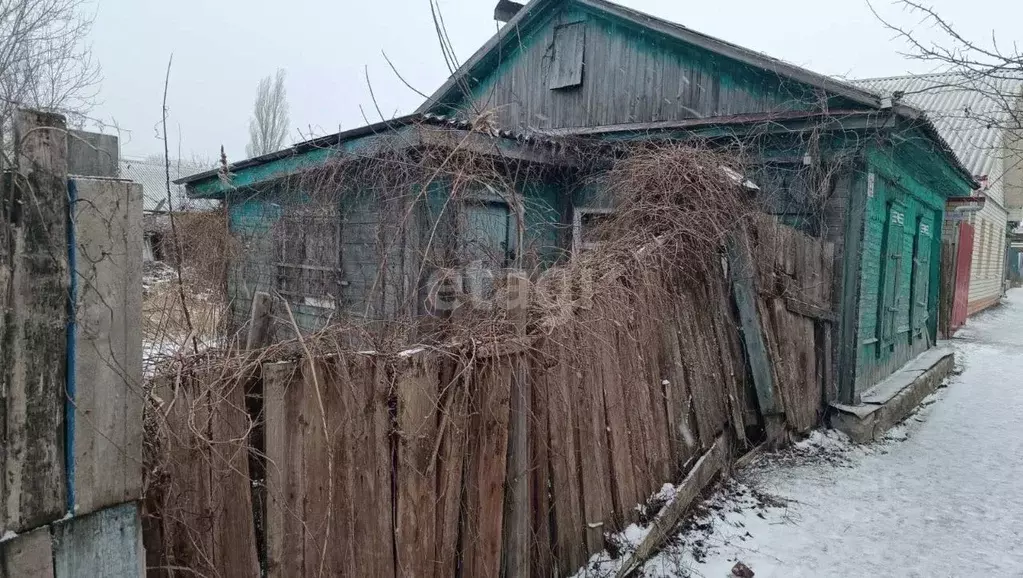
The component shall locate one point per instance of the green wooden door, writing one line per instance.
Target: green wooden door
(891, 297)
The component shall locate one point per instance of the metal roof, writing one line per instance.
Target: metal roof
(971, 112)
(151, 174)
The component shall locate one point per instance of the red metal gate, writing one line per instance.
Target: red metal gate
(964, 256)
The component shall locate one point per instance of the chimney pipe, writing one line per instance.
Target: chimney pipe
(506, 10)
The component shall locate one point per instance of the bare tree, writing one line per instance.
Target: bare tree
(269, 123)
(45, 60)
(986, 78)
(977, 65)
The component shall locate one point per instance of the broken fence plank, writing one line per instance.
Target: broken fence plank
(708, 466)
(810, 310)
(742, 272)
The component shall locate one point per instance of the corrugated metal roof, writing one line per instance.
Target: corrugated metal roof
(970, 112)
(151, 174)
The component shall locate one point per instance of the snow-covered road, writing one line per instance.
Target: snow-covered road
(943, 496)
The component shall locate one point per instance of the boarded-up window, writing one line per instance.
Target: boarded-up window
(567, 60)
(487, 233)
(309, 258)
(586, 227)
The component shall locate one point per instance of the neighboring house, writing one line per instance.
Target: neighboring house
(151, 173)
(99, 155)
(979, 118)
(830, 158)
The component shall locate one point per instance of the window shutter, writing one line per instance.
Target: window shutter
(892, 268)
(921, 273)
(567, 61)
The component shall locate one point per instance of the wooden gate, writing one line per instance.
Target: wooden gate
(964, 256)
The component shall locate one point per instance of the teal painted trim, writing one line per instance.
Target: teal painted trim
(935, 284)
(213, 188)
(852, 270)
(914, 155)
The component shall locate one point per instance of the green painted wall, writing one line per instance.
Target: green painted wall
(252, 217)
(899, 266)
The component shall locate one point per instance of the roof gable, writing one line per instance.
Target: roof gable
(669, 63)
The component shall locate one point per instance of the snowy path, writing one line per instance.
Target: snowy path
(943, 497)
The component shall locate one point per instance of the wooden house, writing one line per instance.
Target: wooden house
(340, 224)
(866, 173)
(978, 116)
(591, 67)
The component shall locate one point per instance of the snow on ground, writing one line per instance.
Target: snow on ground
(942, 495)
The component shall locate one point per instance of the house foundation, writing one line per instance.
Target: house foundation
(892, 400)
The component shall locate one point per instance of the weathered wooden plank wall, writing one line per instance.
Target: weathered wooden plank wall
(421, 463)
(794, 280)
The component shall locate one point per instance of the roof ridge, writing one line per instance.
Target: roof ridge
(902, 76)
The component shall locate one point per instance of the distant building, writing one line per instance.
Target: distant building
(151, 173)
(98, 155)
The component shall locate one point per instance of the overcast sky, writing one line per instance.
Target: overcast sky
(222, 47)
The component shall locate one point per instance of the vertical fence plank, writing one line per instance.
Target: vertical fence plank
(378, 480)
(636, 388)
(450, 465)
(285, 467)
(343, 411)
(623, 475)
(683, 435)
(517, 502)
(230, 484)
(181, 507)
(570, 549)
(592, 435)
(321, 469)
(416, 387)
(488, 453)
(540, 490)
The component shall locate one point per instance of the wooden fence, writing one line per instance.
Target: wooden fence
(515, 458)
